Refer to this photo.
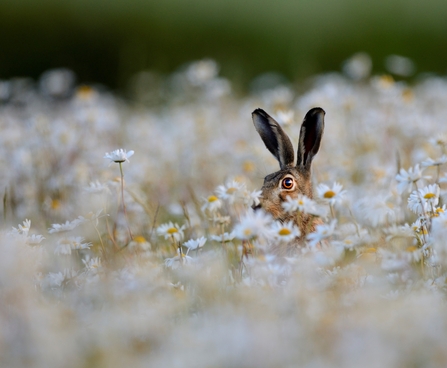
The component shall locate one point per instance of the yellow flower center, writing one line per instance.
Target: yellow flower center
(284, 232)
(329, 194)
(55, 204)
(247, 232)
(231, 190)
(370, 250)
(439, 210)
(411, 249)
(212, 198)
(172, 230)
(248, 166)
(139, 239)
(386, 81)
(429, 195)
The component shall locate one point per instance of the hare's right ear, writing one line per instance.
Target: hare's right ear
(275, 139)
(310, 138)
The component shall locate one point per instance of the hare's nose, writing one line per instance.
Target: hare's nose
(257, 207)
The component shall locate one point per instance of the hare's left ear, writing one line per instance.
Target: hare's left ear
(310, 138)
(275, 139)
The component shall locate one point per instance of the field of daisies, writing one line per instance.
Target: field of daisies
(128, 237)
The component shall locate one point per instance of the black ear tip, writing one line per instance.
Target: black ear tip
(259, 111)
(316, 111)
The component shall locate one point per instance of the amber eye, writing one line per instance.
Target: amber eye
(287, 183)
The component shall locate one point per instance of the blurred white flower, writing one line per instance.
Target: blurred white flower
(439, 140)
(170, 230)
(223, 238)
(392, 262)
(97, 187)
(63, 248)
(358, 66)
(119, 155)
(406, 179)
(66, 245)
(194, 244)
(376, 209)
(253, 224)
(285, 117)
(330, 195)
(252, 198)
(92, 264)
(400, 65)
(201, 72)
(285, 232)
(399, 231)
(179, 259)
(438, 237)
(221, 220)
(22, 229)
(321, 232)
(431, 162)
(231, 191)
(67, 226)
(34, 239)
(212, 204)
(56, 279)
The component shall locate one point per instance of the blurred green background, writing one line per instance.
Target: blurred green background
(107, 41)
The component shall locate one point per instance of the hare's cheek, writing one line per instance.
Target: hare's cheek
(287, 193)
(273, 208)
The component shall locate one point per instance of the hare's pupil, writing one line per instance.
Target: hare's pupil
(287, 183)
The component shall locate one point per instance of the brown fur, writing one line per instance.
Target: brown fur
(273, 193)
(273, 196)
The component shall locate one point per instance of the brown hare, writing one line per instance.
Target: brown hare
(292, 179)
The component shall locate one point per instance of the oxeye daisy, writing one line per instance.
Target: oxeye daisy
(330, 195)
(252, 225)
(223, 238)
(231, 191)
(321, 232)
(119, 155)
(34, 239)
(430, 162)
(22, 229)
(92, 264)
(171, 231)
(67, 226)
(406, 179)
(403, 231)
(178, 260)
(285, 232)
(424, 199)
(430, 194)
(252, 198)
(301, 203)
(221, 220)
(212, 204)
(194, 244)
(66, 245)
(97, 187)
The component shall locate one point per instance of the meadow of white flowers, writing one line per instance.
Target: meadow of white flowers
(128, 238)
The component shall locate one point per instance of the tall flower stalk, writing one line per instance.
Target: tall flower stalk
(120, 156)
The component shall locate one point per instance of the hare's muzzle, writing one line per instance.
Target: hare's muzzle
(256, 207)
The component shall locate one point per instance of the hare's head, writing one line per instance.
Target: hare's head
(292, 179)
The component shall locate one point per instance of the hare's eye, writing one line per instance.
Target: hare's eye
(287, 183)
